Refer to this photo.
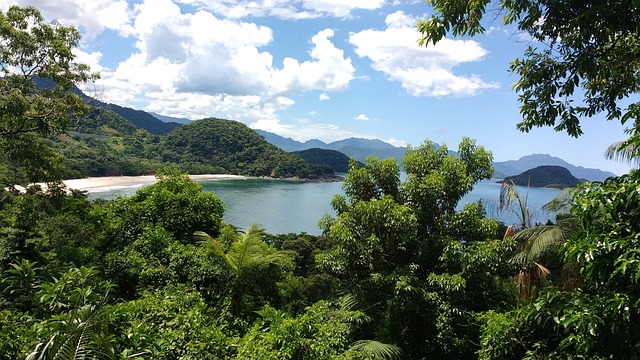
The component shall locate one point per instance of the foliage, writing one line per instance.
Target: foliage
(599, 319)
(417, 265)
(171, 324)
(32, 49)
(584, 61)
(249, 262)
(175, 202)
(50, 227)
(323, 331)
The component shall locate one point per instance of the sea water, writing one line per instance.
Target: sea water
(285, 206)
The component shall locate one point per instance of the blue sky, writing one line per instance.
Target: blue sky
(324, 69)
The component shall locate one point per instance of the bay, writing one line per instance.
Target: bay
(286, 206)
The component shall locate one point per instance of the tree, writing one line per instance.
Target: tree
(32, 50)
(254, 267)
(420, 268)
(584, 61)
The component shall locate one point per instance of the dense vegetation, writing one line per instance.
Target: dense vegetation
(102, 143)
(548, 176)
(398, 272)
(232, 146)
(336, 160)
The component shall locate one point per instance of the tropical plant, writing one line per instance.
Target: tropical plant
(253, 266)
(535, 243)
(79, 322)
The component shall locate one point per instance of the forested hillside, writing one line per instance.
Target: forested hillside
(232, 146)
(334, 159)
(555, 177)
(102, 143)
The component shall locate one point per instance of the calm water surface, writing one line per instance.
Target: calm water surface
(283, 206)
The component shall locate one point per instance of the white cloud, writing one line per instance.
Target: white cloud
(330, 71)
(198, 65)
(285, 9)
(303, 130)
(92, 17)
(396, 142)
(313, 113)
(361, 117)
(421, 71)
(324, 97)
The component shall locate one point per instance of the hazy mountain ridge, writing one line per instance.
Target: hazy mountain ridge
(515, 167)
(356, 148)
(170, 119)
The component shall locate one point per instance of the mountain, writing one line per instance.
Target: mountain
(336, 160)
(549, 176)
(356, 148)
(139, 118)
(235, 149)
(170, 119)
(514, 167)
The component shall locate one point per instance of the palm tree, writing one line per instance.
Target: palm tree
(82, 333)
(247, 259)
(534, 242)
(627, 151)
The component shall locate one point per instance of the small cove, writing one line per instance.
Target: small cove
(286, 206)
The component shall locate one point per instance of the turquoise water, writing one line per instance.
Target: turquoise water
(283, 206)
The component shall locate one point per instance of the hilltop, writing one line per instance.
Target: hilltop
(514, 167)
(547, 176)
(356, 148)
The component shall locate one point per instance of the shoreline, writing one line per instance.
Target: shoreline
(96, 183)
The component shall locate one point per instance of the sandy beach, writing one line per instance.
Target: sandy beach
(97, 183)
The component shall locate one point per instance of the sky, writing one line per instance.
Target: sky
(317, 69)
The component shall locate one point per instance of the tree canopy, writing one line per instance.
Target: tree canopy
(584, 58)
(31, 48)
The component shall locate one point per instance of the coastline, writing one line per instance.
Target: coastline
(97, 183)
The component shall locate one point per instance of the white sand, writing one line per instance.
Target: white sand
(94, 183)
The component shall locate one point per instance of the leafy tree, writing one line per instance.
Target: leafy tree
(584, 60)
(324, 330)
(417, 265)
(175, 202)
(174, 323)
(30, 49)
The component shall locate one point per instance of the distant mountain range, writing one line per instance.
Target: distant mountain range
(515, 167)
(361, 148)
(355, 148)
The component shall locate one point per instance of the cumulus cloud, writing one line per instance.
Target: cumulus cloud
(329, 71)
(324, 97)
(421, 71)
(199, 65)
(286, 9)
(361, 117)
(92, 17)
(303, 130)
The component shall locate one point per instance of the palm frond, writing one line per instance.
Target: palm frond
(377, 350)
(624, 151)
(536, 241)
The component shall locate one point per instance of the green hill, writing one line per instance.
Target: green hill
(549, 176)
(232, 146)
(334, 159)
(105, 144)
